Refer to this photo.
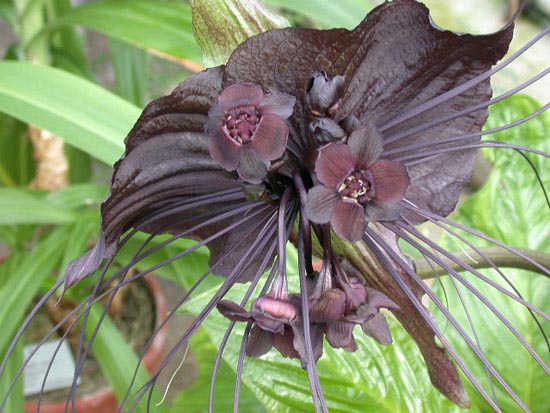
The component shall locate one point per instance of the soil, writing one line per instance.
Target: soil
(135, 320)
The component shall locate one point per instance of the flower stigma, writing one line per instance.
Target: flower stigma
(357, 187)
(241, 124)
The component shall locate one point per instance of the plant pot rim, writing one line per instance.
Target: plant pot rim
(104, 399)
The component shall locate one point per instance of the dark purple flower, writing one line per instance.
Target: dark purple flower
(357, 186)
(248, 129)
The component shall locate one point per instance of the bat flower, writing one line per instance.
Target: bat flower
(247, 129)
(319, 138)
(272, 318)
(356, 185)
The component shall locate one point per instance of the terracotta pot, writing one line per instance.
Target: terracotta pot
(104, 400)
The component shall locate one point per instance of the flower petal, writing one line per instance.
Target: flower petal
(240, 94)
(226, 153)
(85, 265)
(366, 145)
(377, 327)
(334, 163)
(251, 167)
(340, 335)
(270, 137)
(320, 203)
(233, 311)
(348, 221)
(390, 180)
(259, 342)
(277, 103)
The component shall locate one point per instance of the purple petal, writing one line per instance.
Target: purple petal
(259, 342)
(390, 180)
(383, 211)
(223, 151)
(377, 328)
(334, 163)
(233, 311)
(366, 145)
(317, 333)
(251, 167)
(320, 203)
(277, 103)
(348, 220)
(270, 137)
(377, 299)
(340, 335)
(85, 265)
(285, 343)
(240, 94)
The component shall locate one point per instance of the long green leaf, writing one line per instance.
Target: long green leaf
(16, 399)
(79, 111)
(161, 26)
(23, 281)
(21, 206)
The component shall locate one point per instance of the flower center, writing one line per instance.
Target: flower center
(240, 124)
(357, 187)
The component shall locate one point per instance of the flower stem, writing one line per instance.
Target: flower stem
(496, 255)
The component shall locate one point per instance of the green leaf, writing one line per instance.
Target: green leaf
(78, 111)
(78, 195)
(511, 208)
(21, 282)
(327, 14)
(16, 153)
(375, 379)
(195, 398)
(22, 206)
(163, 27)
(222, 25)
(131, 71)
(118, 361)
(16, 399)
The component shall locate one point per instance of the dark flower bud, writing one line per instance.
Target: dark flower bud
(330, 306)
(272, 314)
(349, 124)
(324, 94)
(326, 130)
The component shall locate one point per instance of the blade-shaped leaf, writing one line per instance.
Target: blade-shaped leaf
(22, 206)
(16, 398)
(160, 26)
(23, 281)
(75, 109)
